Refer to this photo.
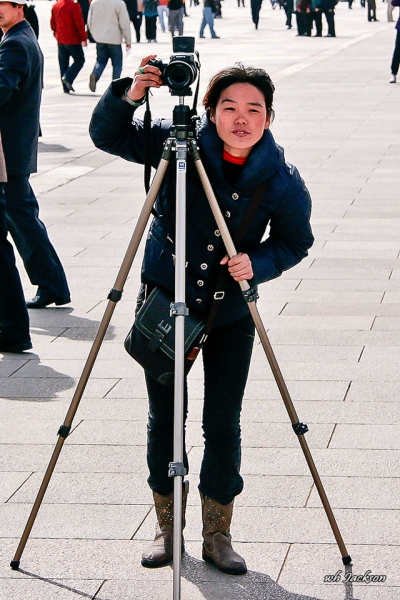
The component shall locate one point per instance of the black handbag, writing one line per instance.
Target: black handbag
(151, 341)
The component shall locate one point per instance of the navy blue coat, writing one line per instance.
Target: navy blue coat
(21, 83)
(285, 208)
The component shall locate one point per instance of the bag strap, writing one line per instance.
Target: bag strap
(219, 294)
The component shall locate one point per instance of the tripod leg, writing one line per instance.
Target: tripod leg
(299, 428)
(113, 297)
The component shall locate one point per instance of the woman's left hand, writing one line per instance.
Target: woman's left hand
(239, 266)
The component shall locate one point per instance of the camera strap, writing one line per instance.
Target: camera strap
(219, 294)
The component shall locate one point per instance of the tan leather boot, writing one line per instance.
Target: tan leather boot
(217, 547)
(160, 551)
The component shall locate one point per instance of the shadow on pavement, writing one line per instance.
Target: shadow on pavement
(60, 320)
(41, 383)
(215, 585)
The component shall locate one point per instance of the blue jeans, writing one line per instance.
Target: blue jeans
(208, 19)
(106, 52)
(226, 359)
(65, 52)
(30, 236)
(14, 320)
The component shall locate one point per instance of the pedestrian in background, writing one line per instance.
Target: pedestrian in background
(328, 9)
(68, 27)
(303, 17)
(316, 16)
(396, 54)
(371, 10)
(175, 16)
(255, 11)
(209, 9)
(150, 16)
(109, 24)
(288, 8)
(21, 83)
(163, 11)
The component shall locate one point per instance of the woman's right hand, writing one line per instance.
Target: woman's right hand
(146, 76)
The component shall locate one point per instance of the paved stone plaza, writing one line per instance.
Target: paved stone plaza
(334, 323)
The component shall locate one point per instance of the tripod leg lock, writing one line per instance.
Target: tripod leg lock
(178, 309)
(251, 295)
(176, 469)
(64, 431)
(300, 428)
(115, 295)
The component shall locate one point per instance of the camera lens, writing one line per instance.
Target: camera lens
(179, 75)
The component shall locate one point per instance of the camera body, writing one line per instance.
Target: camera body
(183, 68)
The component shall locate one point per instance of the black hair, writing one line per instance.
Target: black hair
(240, 74)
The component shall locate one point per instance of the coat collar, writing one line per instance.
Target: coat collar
(264, 160)
(18, 27)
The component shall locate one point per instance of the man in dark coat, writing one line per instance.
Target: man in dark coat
(21, 82)
(14, 319)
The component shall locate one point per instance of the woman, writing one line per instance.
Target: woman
(238, 153)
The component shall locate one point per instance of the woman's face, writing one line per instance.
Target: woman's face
(240, 118)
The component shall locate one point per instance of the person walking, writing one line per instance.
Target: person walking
(371, 10)
(239, 154)
(109, 24)
(21, 83)
(68, 27)
(175, 16)
(255, 11)
(288, 6)
(396, 53)
(208, 18)
(14, 318)
(163, 10)
(150, 15)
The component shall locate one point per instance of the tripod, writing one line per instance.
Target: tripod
(181, 141)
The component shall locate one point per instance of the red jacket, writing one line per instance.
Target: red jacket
(67, 22)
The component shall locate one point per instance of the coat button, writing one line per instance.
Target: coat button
(200, 282)
(227, 214)
(217, 232)
(235, 196)
(199, 300)
(210, 247)
(203, 266)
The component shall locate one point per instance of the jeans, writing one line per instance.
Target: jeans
(208, 19)
(65, 52)
(14, 320)
(226, 360)
(105, 52)
(30, 236)
(163, 10)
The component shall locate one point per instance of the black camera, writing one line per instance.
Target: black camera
(183, 68)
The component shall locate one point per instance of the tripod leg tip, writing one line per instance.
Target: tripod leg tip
(346, 560)
(14, 564)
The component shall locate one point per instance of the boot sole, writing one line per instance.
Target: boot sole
(238, 571)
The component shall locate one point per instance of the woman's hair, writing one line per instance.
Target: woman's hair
(240, 74)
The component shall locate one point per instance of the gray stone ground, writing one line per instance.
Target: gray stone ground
(333, 321)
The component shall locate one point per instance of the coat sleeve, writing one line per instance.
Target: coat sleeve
(124, 23)
(79, 22)
(13, 64)
(114, 129)
(290, 234)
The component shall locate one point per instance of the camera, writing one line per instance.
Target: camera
(183, 68)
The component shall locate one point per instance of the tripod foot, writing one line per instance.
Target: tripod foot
(14, 564)
(346, 560)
